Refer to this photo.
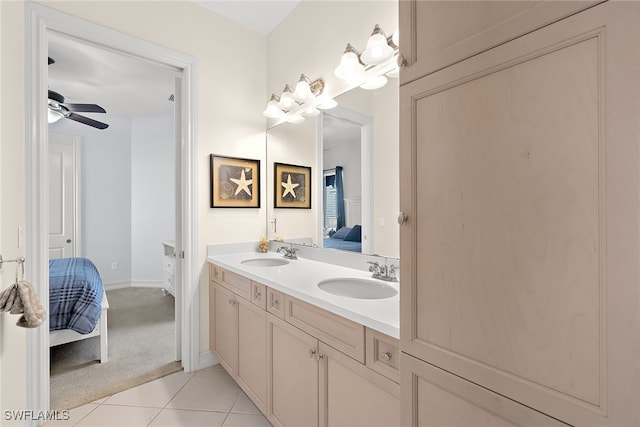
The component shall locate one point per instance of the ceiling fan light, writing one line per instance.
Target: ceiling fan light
(378, 49)
(53, 116)
(374, 83)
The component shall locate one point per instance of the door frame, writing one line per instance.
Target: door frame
(39, 20)
(366, 173)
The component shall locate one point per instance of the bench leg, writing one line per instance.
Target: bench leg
(104, 347)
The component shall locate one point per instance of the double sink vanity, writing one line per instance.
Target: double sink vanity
(309, 340)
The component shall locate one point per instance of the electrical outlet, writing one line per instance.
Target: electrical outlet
(114, 265)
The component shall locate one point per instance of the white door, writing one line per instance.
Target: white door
(64, 239)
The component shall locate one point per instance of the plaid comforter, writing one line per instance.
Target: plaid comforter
(75, 294)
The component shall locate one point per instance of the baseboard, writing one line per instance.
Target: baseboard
(133, 284)
(206, 359)
(116, 285)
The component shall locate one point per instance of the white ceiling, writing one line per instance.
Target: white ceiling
(258, 15)
(127, 85)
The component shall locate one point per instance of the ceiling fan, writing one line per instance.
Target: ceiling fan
(59, 109)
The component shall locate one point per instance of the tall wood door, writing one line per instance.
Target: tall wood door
(293, 375)
(519, 259)
(225, 324)
(252, 352)
(64, 181)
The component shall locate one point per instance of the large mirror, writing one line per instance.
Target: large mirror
(353, 153)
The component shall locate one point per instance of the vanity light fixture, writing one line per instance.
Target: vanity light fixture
(369, 68)
(273, 111)
(293, 105)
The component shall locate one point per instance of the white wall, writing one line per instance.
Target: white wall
(105, 194)
(12, 198)
(152, 195)
(231, 81)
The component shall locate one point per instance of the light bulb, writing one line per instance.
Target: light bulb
(395, 37)
(350, 68)
(53, 116)
(286, 99)
(303, 89)
(273, 111)
(378, 50)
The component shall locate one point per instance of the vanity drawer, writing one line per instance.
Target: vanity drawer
(239, 285)
(259, 295)
(214, 273)
(275, 303)
(383, 354)
(340, 333)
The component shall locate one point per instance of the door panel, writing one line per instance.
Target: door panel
(63, 195)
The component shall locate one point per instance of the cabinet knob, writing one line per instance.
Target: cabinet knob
(68, 240)
(312, 352)
(386, 356)
(231, 301)
(257, 294)
(402, 218)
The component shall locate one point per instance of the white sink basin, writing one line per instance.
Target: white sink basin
(265, 262)
(358, 288)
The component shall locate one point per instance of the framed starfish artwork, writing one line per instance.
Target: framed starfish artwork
(235, 182)
(292, 186)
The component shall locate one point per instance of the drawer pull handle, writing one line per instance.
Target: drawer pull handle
(386, 356)
(257, 294)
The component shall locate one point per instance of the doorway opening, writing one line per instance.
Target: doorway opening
(41, 22)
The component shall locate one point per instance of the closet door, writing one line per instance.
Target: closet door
(520, 177)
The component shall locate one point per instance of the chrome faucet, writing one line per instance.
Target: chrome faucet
(289, 252)
(383, 272)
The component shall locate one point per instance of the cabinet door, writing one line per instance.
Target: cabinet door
(252, 352)
(352, 395)
(436, 398)
(473, 27)
(520, 174)
(225, 330)
(293, 375)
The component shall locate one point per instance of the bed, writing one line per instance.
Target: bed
(77, 303)
(346, 239)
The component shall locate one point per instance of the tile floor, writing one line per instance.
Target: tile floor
(208, 397)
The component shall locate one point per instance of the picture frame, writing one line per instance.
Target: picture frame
(235, 182)
(292, 186)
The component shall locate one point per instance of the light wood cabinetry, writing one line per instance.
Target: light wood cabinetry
(293, 375)
(353, 395)
(520, 178)
(238, 338)
(301, 365)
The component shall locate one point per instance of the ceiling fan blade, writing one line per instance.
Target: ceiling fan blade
(85, 108)
(87, 121)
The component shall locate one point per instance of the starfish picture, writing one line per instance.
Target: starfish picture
(289, 186)
(242, 183)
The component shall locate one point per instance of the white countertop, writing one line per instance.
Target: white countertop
(300, 278)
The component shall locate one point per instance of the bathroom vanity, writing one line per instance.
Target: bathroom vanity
(302, 354)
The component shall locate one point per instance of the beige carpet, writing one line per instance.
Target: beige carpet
(141, 349)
